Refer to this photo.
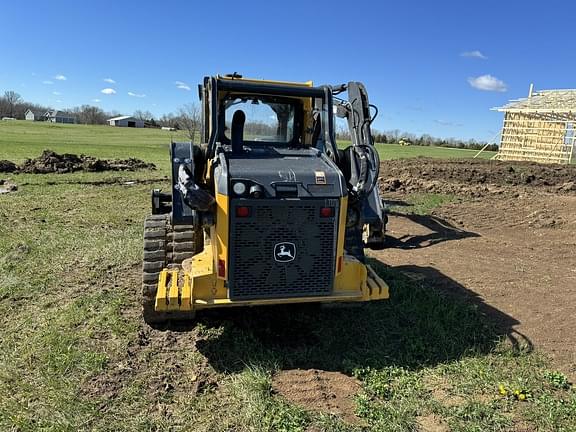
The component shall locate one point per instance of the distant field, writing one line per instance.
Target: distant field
(21, 139)
(395, 151)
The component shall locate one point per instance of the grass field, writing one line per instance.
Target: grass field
(74, 354)
(20, 140)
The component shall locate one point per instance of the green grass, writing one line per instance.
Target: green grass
(22, 139)
(421, 203)
(74, 354)
(395, 151)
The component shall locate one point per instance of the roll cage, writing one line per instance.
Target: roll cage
(317, 106)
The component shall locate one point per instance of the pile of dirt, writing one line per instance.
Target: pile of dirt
(52, 162)
(8, 167)
(318, 390)
(473, 177)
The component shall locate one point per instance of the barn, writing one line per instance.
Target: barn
(126, 121)
(540, 127)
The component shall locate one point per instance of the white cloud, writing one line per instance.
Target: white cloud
(488, 83)
(48, 82)
(109, 80)
(474, 54)
(96, 100)
(55, 93)
(60, 77)
(108, 91)
(182, 85)
(58, 101)
(138, 95)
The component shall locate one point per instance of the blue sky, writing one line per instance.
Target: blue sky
(430, 66)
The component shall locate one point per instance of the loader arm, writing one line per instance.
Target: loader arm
(362, 164)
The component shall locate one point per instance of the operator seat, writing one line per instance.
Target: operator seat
(237, 133)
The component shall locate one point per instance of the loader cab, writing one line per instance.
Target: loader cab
(275, 115)
(266, 121)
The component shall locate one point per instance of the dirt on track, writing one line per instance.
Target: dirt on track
(508, 243)
(52, 162)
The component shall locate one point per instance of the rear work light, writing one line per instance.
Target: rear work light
(242, 211)
(326, 212)
(221, 268)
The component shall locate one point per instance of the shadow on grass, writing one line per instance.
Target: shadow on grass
(440, 231)
(429, 319)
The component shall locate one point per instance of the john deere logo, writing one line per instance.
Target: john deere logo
(284, 252)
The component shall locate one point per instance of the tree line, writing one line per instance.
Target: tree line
(187, 118)
(405, 138)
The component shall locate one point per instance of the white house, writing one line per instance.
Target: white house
(35, 115)
(126, 121)
(56, 116)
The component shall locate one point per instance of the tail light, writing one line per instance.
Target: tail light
(242, 211)
(326, 212)
(221, 268)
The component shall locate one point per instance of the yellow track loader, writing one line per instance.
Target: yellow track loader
(266, 209)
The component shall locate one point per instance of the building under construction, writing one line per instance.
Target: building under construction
(539, 128)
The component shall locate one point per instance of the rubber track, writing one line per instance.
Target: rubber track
(164, 246)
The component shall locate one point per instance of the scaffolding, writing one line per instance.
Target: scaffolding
(539, 128)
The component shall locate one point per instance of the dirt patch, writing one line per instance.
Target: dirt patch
(431, 423)
(6, 186)
(317, 390)
(162, 360)
(52, 162)
(516, 258)
(473, 177)
(8, 167)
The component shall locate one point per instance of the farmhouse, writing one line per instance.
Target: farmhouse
(126, 121)
(540, 127)
(35, 115)
(55, 116)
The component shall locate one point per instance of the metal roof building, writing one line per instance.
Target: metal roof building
(126, 121)
(540, 127)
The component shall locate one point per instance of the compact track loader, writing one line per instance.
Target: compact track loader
(267, 209)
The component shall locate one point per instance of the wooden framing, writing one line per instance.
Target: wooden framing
(540, 128)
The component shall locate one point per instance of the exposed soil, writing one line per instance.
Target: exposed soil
(7, 186)
(513, 251)
(474, 177)
(52, 162)
(8, 167)
(432, 423)
(317, 390)
(160, 358)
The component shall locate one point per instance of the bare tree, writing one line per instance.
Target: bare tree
(12, 99)
(189, 119)
(143, 115)
(88, 114)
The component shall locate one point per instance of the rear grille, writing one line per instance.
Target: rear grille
(254, 273)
